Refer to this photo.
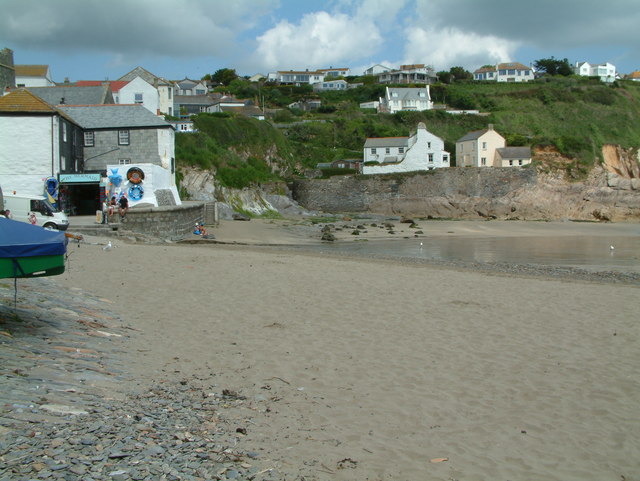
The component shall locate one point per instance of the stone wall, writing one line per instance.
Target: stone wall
(413, 194)
(167, 222)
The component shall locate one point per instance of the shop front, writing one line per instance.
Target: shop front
(80, 194)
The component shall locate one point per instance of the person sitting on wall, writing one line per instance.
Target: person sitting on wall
(124, 206)
(113, 203)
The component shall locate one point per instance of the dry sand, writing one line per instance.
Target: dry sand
(360, 369)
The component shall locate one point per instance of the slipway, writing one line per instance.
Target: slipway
(30, 251)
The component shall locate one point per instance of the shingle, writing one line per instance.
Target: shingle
(71, 95)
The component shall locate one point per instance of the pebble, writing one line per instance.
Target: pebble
(56, 426)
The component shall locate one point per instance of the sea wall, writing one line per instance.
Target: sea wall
(502, 193)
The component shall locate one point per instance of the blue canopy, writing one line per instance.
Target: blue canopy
(18, 239)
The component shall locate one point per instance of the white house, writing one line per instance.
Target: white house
(478, 148)
(606, 71)
(38, 141)
(398, 99)
(334, 72)
(408, 74)
(165, 88)
(421, 151)
(33, 76)
(296, 77)
(505, 72)
(377, 69)
(138, 91)
(330, 85)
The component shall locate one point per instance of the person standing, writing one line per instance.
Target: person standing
(105, 211)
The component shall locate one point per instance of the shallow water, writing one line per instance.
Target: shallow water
(584, 252)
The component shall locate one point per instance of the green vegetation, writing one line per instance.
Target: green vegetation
(576, 115)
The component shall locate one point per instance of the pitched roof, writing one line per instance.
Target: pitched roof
(374, 142)
(73, 95)
(485, 69)
(22, 100)
(31, 70)
(634, 75)
(408, 93)
(514, 152)
(474, 135)
(113, 116)
(512, 65)
(114, 85)
(145, 75)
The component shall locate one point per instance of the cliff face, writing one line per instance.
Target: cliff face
(502, 193)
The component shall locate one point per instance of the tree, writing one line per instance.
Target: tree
(224, 76)
(460, 73)
(444, 77)
(553, 66)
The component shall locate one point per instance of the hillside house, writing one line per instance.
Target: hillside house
(505, 72)
(166, 89)
(421, 151)
(332, 73)
(400, 99)
(605, 71)
(33, 76)
(408, 74)
(512, 157)
(377, 69)
(478, 148)
(330, 85)
(296, 77)
(635, 76)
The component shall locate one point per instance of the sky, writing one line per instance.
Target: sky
(100, 39)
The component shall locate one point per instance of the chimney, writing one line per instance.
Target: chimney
(490, 127)
(62, 101)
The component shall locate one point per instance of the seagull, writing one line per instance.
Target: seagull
(611, 247)
(107, 247)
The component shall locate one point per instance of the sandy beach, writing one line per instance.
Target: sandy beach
(365, 369)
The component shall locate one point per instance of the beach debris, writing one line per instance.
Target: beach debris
(232, 395)
(238, 216)
(108, 247)
(347, 463)
(439, 460)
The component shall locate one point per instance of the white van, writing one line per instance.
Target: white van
(45, 214)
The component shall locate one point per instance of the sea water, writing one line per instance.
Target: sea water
(592, 253)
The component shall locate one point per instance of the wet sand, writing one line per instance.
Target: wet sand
(366, 369)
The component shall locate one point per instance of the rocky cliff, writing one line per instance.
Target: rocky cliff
(611, 192)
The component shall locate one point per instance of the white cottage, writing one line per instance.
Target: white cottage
(421, 151)
(399, 99)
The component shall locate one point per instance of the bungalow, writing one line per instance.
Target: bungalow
(398, 99)
(512, 157)
(296, 77)
(330, 85)
(505, 72)
(478, 148)
(377, 69)
(421, 151)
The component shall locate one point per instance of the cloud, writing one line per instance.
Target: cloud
(320, 40)
(450, 47)
(544, 23)
(130, 28)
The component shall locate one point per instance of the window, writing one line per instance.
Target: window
(484, 146)
(123, 137)
(387, 150)
(373, 151)
(445, 159)
(401, 150)
(64, 131)
(520, 162)
(428, 145)
(89, 139)
(200, 92)
(138, 98)
(431, 158)
(511, 162)
(170, 108)
(483, 161)
(124, 161)
(170, 90)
